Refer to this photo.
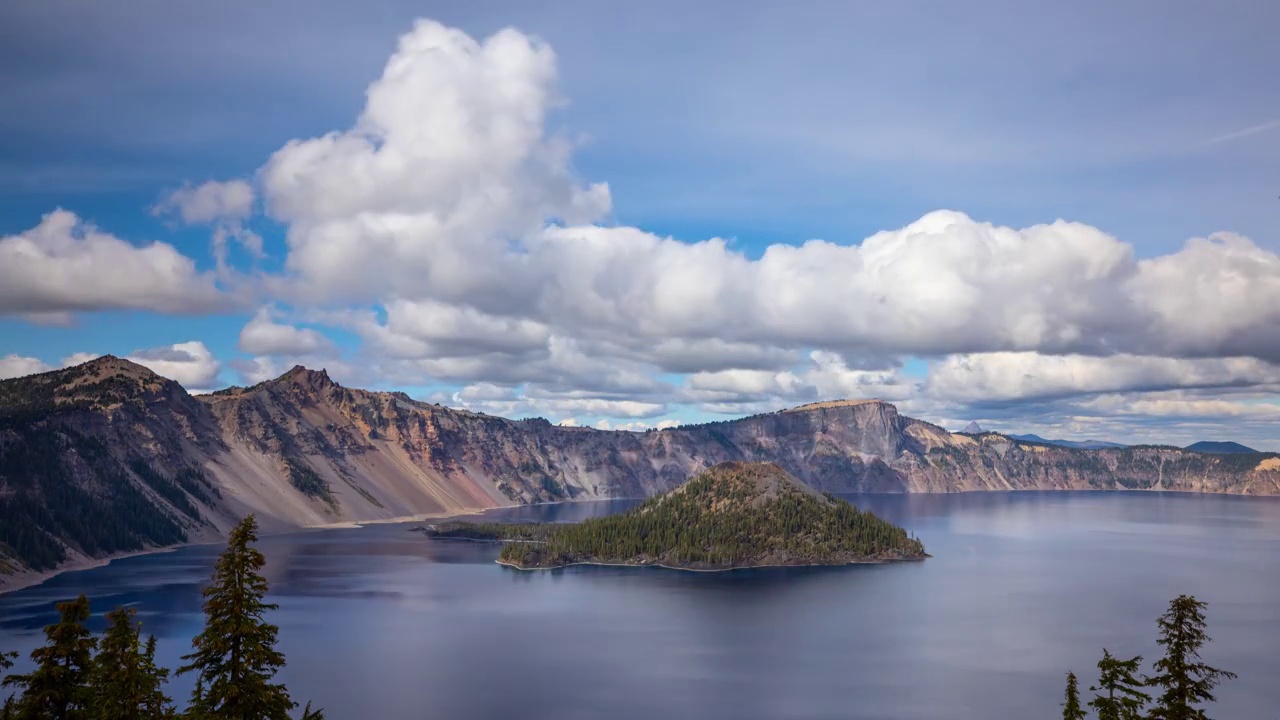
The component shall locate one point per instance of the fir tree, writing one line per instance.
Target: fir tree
(6, 662)
(57, 689)
(1186, 681)
(126, 682)
(155, 704)
(1123, 700)
(235, 657)
(1071, 708)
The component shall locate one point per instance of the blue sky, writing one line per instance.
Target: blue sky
(762, 124)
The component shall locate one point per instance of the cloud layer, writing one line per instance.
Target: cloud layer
(448, 231)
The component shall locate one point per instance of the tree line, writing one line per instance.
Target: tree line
(77, 676)
(1182, 683)
(721, 518)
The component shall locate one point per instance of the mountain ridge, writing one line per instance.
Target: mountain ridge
(1220, 447)
(1078, 444)
(302, 450)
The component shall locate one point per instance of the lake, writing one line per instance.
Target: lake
(379, 622)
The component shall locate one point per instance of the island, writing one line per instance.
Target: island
(734, 515)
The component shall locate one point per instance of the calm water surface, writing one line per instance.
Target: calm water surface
(378, 622)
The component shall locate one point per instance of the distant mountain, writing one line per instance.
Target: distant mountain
(1219, 448)
(973, 428)
(108, 457)
(1077, 444)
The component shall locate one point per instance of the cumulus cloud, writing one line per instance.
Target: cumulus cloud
(447, 229)
(191, 364)
(523, 401)
(264, 336)
(224, 204)
(447, 162)
(79, 358)
(209, 202)
(12, 366)
(1029, 375)
(450, 215)
(65, 264)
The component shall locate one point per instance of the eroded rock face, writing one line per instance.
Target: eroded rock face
(301, 450)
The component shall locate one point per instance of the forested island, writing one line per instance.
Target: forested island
(734, 515)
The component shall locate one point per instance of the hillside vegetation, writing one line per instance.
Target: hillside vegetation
(733, 515)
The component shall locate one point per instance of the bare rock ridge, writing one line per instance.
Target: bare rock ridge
(108, 457)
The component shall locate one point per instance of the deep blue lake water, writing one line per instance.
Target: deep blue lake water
(381, 623)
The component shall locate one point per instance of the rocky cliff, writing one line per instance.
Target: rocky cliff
(108, 457)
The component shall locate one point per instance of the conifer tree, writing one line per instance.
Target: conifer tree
(1071, 708)
(155, 704)
(57, 689)
(1118, 694)
(1186, 681)
(235, 657)
(126, 682)
(6, 662)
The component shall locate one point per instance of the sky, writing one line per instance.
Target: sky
(1060, 220)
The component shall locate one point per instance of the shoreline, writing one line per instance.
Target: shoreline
(24, 579)
(31, 578)
(513, 566)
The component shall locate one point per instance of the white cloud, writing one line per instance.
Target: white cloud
(447, 229)
(12, 366)
(65, 265)
(1026, 375)
(449, 215)
(79, 358)
(263, 336)
(448, 160)
(1181, 407)
(211, 202)
(191, 364)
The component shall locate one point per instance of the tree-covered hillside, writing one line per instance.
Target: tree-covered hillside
(733, 515)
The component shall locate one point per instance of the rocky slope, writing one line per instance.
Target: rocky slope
(107, 457)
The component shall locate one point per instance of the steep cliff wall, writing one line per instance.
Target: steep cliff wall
(108, 457)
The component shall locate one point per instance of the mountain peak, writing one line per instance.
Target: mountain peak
(305, 377)
(825, 404)
(973, 427)
(755, 481)
(1219, 447)
(112, 366)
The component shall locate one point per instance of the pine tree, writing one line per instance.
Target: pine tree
(1071, 708)
(235, 656)
(1186, 682)
(58, 687)
(126, 682)
(1123, 700)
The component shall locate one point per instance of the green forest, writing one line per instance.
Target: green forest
(77, 676)
(734, 515)
(1181, 683)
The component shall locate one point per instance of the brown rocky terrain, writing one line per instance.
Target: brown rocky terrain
(108, 457)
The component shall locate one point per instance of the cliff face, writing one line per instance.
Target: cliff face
(108, 457)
